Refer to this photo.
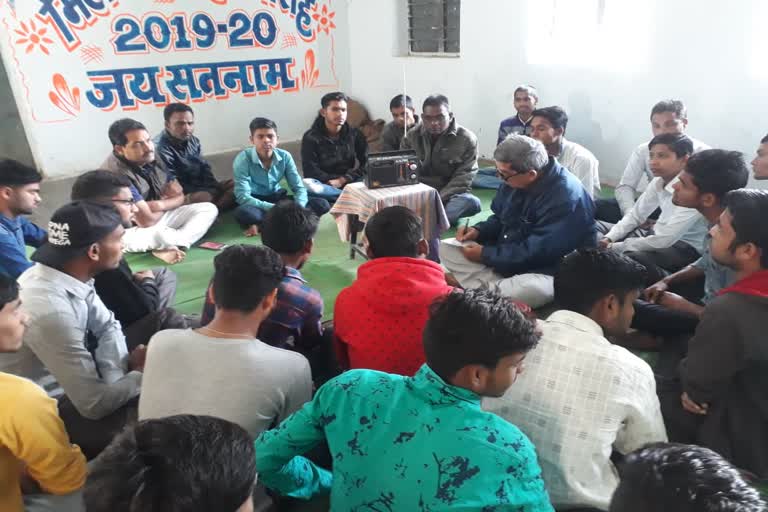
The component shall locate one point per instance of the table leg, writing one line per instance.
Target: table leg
(352, 219)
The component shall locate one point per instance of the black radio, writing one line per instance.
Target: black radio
(392, 169)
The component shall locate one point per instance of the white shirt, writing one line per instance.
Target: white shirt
(579, 398)
(637, 174)
(582, 163)
(63, 314)
(244, 381)
(674, 224)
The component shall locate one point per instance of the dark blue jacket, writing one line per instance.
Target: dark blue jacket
(531, 229)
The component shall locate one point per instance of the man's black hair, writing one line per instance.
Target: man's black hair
(118, 130)
(474, 327)
(587, 275)
(394, 232)
(333, 96)
(15, 174)
(98, 185)
(764, 140)
(554, 115)
(680, 144)
(175, 108)
(244, 275)
(287, 227)
(670, 477)
(401, 101)
(9, 290)
(436, 100)
(179, 463)
(262, 123)
(717, 171)
(747, 208)
(677, 107)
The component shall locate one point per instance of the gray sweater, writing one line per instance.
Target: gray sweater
(244, 381)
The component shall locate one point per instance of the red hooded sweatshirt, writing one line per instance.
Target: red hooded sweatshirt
(381, 316)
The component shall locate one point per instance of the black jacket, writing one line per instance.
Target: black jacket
(325, 158)
(127, 299)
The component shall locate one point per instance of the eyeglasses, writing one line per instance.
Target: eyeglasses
(505, 176)
(129, 202)
(434, 119)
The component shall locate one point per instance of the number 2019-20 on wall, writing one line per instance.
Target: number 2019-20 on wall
(200, 32)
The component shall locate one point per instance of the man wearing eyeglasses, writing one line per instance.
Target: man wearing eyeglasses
(540, 214)
(448, 154)
(140, 301)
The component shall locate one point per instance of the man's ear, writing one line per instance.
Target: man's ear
(560, 132)
(473, 377)
(308, 246)
(269, 301)
(708, 199)
(422, 248)
(93, 252)
(6, 192)
(120, 150)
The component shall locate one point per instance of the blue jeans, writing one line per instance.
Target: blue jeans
(323, 191)
(250, 215)
(462, 205)
(487, 178)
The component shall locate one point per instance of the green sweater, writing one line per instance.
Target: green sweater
(403, 443)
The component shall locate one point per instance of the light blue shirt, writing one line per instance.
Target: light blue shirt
(252, 179)
(716, 276)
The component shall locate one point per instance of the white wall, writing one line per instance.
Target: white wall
(698, 51)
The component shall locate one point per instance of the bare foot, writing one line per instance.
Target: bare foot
(253, 230)
(452, 281)
(170, 256)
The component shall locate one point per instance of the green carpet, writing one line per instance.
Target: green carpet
(328, 270)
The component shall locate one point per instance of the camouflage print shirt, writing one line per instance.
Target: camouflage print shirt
(403, 443)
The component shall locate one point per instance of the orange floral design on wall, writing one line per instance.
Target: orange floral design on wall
(65, 99)
(33, 38)
(324, 19)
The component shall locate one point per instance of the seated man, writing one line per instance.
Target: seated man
(403, 119)
(182, 155)
(19, 195)
(575, 371)
(258, 173)
(190, 371)
(295, 321)
(760, 163)
(165, 223)
(422, 442)
(724, 400)
(540, 214)
(669, 116)
(525, 99)
(379, 319)
(549, 126)
(708, 176)
(174, 464)
(664, 477)
(677, 238)
(448, 154)
(36, 458)
(140, 301)
(329, 150)
(73, 344)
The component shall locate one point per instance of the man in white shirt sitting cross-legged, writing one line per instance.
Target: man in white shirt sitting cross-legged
(581, 398)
